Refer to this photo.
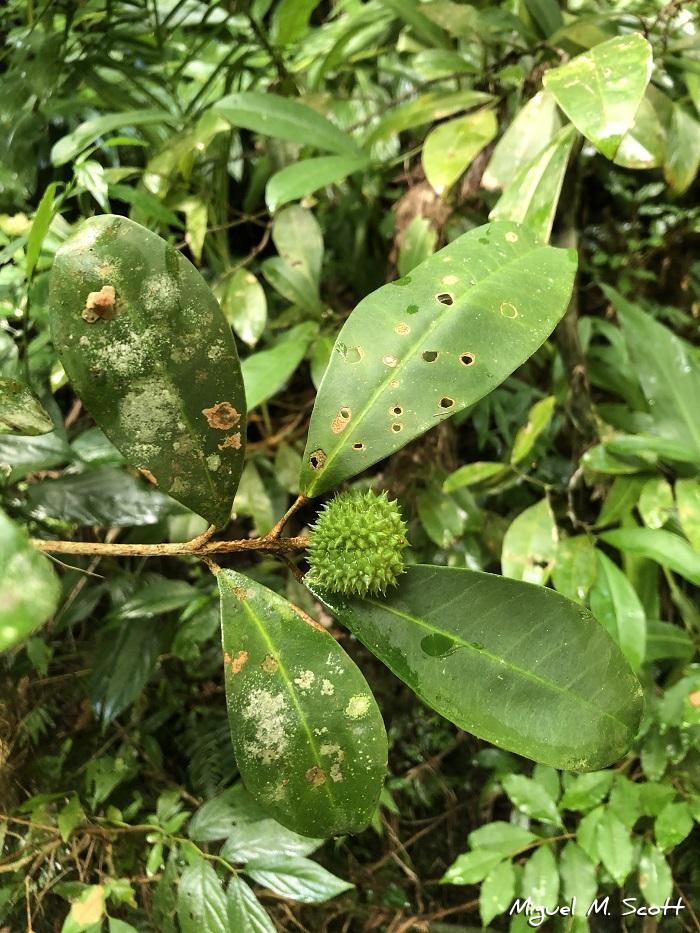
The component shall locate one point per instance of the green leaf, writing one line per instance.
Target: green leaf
(530, 545)
(644, 145)
(497, 892)
(105, 496)
(291, 20)
(615, 847)
(451, 147)
(655, 879)
(87, 911)
(201, 904)
(624, 800)
(267, 371)
(244, 303)
(71, 815)
(40, 225)
(665, 640)
(600, 90)
(67, 148)
(670, 376)
(471, 867)
(538, 420)
(217, 818)
(664, 547)
(429, 107)
(21, 412)
(575, 567)
(245, 912)
(586, 791)
(293, 285)
(683, 152)
(525, 137)
(265, 839)
(296, 878)
(587, 832)
(578, 874)
(471, 474)
(531, 798)
(541, 878)
(505, 838)
(417, 244)
(532, 197)
(672, 825)
(519, 647)
(302, 178)
(688, 502)
(298, 238)
(284, 118)
(656, 502)
(547, 17)
(119, 926)
(423, 348)
(615, 604)
(308, 736)
(126, 658)
(149, 351)
(29, 588)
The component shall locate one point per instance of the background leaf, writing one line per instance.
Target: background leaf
(285, 118)
(245, 912)
(301, 178)
(29, 588)
(297, 878)
(525, 137)
(600, 90)
(201, 905)
(532, 197)
(407, 358)
(155, 363)
(21, 412)
(616, 606)
(530, 544)
(308, 736)
(546, 680)
(450, 148)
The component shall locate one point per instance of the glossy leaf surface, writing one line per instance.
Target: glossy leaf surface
(301, 178)
(664, 547)
(29, 588)
(530, 544)
(528, 133)
(21, 412)
(201, 904)
(308, 736)
(668, 372)
(245, 912)
(544, 679)
(284, 118)
(532, 197)
(450, 147)
(424, 347)
(149, 351)
(600, 90)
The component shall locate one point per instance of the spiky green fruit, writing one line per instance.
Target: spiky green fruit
(357, 545)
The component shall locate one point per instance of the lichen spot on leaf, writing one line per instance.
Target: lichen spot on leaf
(509, 310)
(269, 664)
(269, 715)
(341, 420)
(305, 680)
(449, 280)
(511, 237)
(315, 776)
(222, 416)
(231, 440)
(100, 306)
(358, 706)
(238, 663)
(402, 329)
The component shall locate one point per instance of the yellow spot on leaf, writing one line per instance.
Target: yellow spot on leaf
(357, 706)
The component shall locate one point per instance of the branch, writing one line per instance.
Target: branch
(201, 546)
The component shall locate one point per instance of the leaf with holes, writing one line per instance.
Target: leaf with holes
(601, 90)
(428, 345)
(149, 351)
(545, 680)
(307, 733)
